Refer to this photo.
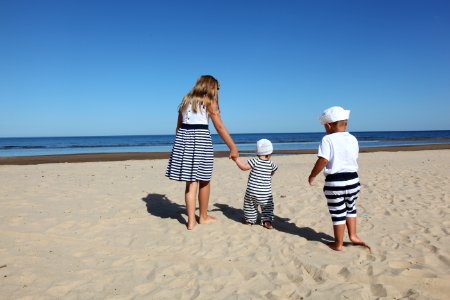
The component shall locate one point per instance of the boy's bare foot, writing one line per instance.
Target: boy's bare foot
(357, 242)
(209, 219)
(334, 246)
(267, 225)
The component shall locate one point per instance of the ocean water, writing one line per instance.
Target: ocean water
(245, 142)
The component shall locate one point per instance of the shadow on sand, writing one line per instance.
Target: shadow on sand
(160, 206)
(280, 224)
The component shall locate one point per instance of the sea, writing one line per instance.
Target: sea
(35, 146)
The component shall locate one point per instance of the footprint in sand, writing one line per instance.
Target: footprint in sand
(378, 290)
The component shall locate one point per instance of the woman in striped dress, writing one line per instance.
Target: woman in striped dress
(192, 154)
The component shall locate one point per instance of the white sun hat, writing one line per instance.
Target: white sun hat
(264, 147)
(334, 114)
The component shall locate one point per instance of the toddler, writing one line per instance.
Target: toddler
(259, 185)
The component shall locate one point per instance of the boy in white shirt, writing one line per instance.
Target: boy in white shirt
(338, 154)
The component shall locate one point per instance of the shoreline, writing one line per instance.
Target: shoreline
(124, 156)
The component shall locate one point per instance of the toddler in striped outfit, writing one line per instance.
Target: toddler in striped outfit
(259, 185)
(338, 154)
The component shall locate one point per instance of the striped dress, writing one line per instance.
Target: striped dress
(192, 154)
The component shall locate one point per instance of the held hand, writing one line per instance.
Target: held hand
(233, 154)
(311, 180)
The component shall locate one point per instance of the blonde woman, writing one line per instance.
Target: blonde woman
(192, 154)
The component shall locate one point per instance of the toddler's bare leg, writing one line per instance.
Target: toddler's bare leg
(203, 199)
(190, 194)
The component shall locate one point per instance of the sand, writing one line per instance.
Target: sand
(116, 230)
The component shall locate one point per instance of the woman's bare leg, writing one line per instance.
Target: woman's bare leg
(190, 194)
(203, 199)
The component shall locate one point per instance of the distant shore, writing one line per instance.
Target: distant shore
(98, 157)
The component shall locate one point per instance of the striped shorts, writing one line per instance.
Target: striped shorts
(192, 154)
(251, 203)
(341, 191)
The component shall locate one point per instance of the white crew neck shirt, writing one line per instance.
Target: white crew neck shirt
(341, 150)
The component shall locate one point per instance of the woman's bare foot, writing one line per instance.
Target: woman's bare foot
(191, 225)
(209, 219)
(267, 225)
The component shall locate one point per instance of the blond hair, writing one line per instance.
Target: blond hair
(204, 92)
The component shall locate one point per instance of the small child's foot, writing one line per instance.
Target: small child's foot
(334, 246)
(209, 219)
(267, 225)
(356, 241)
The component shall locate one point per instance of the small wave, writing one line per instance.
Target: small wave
(427, 139)
(22, 147)
(116, 145)
(83, 146)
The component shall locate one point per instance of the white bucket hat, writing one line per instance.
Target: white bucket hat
(264, 147)
(334, 114)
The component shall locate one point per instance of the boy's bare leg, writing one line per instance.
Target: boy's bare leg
(203, 199)
(351, 227)
(338, 243)
(190, 198)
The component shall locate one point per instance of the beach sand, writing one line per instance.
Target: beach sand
(116, 230)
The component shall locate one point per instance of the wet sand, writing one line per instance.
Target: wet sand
(97, 157)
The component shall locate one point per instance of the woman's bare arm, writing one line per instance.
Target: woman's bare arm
(214, 114)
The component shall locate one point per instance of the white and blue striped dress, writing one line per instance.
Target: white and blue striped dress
(192, 154)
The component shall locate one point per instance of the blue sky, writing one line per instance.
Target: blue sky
(121, 67)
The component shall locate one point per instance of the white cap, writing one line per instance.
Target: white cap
(334, 114)
(264, 147)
